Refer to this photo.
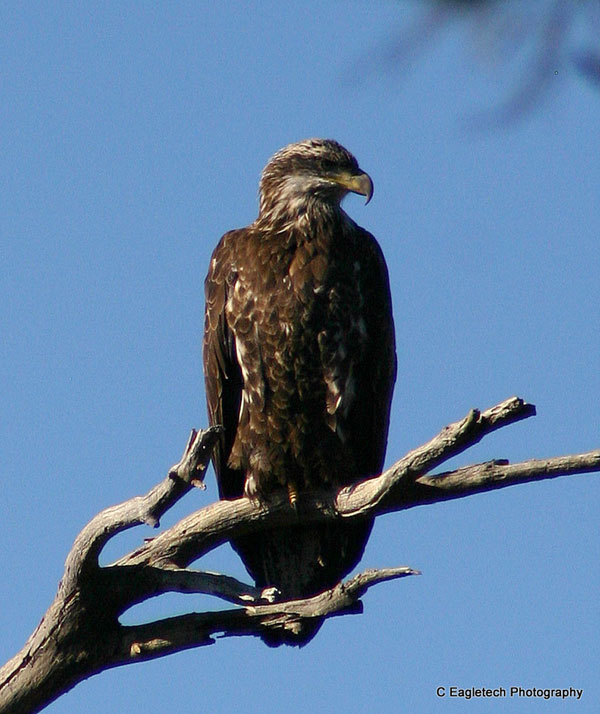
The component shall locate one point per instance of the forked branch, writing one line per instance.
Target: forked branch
(80, 635)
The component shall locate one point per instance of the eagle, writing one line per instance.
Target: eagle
(299, 364)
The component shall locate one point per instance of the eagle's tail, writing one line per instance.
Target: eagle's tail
(301, 634)
(302, 561)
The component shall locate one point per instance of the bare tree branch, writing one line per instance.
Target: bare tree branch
(452, 440)
(81, 635)
(532, 43)
(490, 475)
(204, 530)
(137, 583)
(142, 509)
(197, 629)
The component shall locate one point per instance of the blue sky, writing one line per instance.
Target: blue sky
(132, 136)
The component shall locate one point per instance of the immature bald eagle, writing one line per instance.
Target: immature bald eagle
(299, 362)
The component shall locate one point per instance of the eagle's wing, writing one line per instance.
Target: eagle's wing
(369, 414)
(222, 375)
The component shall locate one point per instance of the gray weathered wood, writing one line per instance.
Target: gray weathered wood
(80, 634)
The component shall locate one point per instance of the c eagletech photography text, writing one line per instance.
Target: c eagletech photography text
(454, 692)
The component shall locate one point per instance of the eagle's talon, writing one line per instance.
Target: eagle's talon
(270, 594)
(292, 491)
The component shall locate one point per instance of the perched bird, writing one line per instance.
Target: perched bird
(299, 363)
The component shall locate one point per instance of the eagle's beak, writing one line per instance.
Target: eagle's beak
(358, 183)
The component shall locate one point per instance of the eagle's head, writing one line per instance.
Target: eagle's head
(315, 173)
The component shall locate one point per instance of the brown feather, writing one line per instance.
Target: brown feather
(299, 363)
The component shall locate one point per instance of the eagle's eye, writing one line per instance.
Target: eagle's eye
(328, 165)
